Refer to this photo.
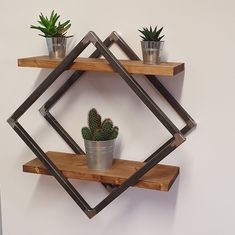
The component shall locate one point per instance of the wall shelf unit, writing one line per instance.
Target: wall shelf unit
(124, 174)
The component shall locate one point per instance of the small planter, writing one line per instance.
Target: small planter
(99, 154)
(54, 32)
(151, 51)
(56, 47)
(99, 138)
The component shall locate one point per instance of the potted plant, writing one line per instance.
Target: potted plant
(151, 44)
(54, 32)
(99, 139)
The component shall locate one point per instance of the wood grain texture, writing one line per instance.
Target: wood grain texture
(101, 65)
(74, 166)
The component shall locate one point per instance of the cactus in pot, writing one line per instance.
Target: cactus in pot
(99, 138)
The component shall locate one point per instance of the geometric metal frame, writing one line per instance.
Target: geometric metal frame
(178, 136)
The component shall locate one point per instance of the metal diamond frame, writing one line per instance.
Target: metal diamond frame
(178, 136)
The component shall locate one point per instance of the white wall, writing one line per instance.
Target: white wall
(0, 216)
(199, 33)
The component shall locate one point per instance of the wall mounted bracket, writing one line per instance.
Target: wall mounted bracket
(178, 136)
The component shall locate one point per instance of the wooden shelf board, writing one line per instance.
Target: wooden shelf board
(74, 166)
(101, 65)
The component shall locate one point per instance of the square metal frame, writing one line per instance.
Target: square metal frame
(178, 136)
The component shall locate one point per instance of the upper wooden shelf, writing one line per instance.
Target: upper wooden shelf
(74, 166)
(101, 65)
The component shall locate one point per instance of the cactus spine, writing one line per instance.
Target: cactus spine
(98, 135)
(114, 133)
(97, 130)
(107, 128)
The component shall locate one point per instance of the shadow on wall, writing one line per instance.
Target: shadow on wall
(174, 85)
(142, 204)
(132, 204)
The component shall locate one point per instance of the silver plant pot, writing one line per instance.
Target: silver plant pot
(151, 51)
(99, 154)
(56, 47)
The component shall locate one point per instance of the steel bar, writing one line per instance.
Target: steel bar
(171, 100)
(63, 133)
(60, 92)
(124, 46)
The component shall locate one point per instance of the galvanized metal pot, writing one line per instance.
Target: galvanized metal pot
(99, 154)
(56, 47)
(151, 51)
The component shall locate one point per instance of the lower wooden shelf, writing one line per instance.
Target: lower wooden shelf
(74, 166)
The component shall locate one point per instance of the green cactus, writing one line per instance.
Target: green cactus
(97, 130)
(86, 133)
(107, 127)
(94, 120)
(114, 133)
(98, 135)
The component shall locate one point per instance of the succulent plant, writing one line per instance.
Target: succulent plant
(151, 34)
(97, 130)
(49, 26)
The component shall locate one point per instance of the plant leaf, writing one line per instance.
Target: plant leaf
(49, 25)
(44, 21)
(151, 34)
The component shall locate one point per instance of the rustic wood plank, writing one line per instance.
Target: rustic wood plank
(101, 65)
(74, 166)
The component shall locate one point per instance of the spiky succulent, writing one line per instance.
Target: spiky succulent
(114, 133)
(151, 34)
(107, 127)
(86, 133)
(49, 26)
(99, 135)
(94, 120)
(97, 130)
